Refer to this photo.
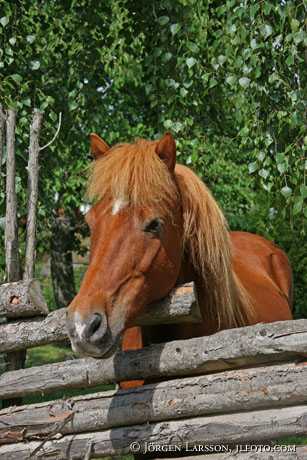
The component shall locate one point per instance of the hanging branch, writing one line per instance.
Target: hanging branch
(56, 134)
(33, 169)
(2, 136)
(11, 230)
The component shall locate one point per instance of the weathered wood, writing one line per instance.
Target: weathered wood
(179, 306)
(11, 230)
(2, 137)
(33, 170)
(22, 299)
(12, 262)
(262, 343)
(218, 429)
(251, 452)
(230, 391)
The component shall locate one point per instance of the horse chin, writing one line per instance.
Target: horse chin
(92, 351)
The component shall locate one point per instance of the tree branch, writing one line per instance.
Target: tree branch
(56, 134)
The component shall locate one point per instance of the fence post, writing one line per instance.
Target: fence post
(14, 360)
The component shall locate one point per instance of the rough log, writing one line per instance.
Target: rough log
(230, 391)
(179, 306)
(257, 451)
(11, 231)
(22, 299)
(262, 343)
(33, 170)
(217, 429)
(12, 261)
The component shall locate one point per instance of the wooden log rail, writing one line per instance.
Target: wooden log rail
(179, 306)
(282, 452)
(230, 429)
(230, 391)
(22, 299)
(252, 345)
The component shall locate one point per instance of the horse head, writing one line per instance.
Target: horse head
(136, 241)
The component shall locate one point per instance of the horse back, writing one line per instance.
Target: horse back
(265, 272)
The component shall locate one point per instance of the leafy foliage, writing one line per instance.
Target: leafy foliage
(227, 78)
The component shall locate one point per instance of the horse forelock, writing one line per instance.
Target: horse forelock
(134, 174)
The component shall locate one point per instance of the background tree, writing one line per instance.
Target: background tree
(226, 77)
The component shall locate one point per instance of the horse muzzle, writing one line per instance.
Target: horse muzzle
(91, 335)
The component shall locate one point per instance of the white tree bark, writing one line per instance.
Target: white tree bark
(33, 171)
(262, 343)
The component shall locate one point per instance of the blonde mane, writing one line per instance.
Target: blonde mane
(207, 242)
(135, 173)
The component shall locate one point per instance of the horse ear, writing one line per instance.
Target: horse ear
(166, 149)
(98, 146)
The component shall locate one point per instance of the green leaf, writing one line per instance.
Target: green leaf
(167, 124)
(175, 28)
(12, 41)
(190, 62)
(193, 47)
(212, 82)
(163, 20)
(261, 156)
(252, 167)
(295, 25)
(290, 59)
(298, 206)
(4, 21)
(167, 57)
(266, 30)
(230, 80)
(303, 190)
(183, 92)
(35, 65)
(264, 173)
(30, 38)
(282, 167)
(244, 82)
(286, 191)
(221, 59)
(280, 157)
(73, 105)
(16, 77)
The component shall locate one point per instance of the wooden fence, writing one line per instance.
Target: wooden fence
(245, 385)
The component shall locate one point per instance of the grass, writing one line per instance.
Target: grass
(48, 354)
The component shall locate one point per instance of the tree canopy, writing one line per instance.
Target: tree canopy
(227, 78)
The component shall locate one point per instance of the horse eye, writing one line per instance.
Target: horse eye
(154, 226)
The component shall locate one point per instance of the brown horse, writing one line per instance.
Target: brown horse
(155, 225)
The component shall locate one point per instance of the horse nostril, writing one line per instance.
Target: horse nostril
(94, 324)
